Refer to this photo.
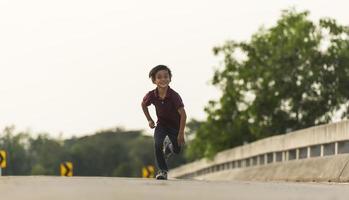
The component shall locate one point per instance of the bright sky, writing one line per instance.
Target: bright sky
(73, 67)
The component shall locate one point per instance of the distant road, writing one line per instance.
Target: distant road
(103, 188)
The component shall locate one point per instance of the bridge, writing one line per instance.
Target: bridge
(317, 154)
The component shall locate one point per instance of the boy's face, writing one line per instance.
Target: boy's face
(162, 78)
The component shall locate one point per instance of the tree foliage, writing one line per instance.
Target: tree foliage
(288, 77)
(115, 152)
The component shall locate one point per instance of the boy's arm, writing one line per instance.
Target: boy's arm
(147, 115)
(183, 120)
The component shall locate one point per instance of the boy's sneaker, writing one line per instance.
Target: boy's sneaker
(167, 148)
(162, 175)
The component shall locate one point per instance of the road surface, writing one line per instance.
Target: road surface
(103, 188)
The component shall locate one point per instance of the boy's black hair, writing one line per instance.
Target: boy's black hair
(153, 71)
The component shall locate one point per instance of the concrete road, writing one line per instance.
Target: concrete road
(66, 188)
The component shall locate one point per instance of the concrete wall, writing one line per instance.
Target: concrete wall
(334, 169)
(317, 153)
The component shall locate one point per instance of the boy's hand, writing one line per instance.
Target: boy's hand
(151, 124)
(180, 139)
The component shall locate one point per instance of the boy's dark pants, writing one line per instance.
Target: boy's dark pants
(159, 136)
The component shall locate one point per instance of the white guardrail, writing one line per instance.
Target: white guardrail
(319, 141)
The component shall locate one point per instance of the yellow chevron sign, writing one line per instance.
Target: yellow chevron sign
(2, 159)
(148, 172)
(67, 169)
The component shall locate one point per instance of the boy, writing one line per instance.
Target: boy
(171, 117)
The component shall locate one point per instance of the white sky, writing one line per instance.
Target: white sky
(77, 66)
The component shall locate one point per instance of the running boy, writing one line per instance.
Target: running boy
(171, 117)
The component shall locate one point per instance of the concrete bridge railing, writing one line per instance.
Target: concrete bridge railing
(318, 153)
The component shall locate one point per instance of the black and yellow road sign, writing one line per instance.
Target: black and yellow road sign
(2, 159)
(67, 169)
(148, 172)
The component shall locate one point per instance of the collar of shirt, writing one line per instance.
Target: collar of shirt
(168, 92)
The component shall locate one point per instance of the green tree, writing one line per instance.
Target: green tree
(291, 76)
(111, 153)
(46, 154)
(15, 145)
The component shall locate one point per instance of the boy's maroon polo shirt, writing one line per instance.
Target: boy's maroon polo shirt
(167, 108)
